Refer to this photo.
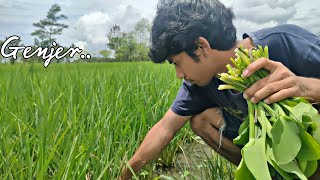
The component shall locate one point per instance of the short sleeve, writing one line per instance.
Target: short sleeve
(313, 61)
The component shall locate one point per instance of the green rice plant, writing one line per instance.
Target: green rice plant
(77, 121)
(70, 121)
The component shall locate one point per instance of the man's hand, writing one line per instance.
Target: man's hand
(128, 170)
(280, 84)
(155, 141)
(125, 173)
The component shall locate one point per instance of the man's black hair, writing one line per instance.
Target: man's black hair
(179, 23)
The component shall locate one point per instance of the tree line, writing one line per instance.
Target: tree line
(121, 46)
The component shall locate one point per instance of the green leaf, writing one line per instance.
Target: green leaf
(269, 149)
(244, 125)
(257, 131)
(311, 168)
(292, 167)
(243, 172)
(286, 140)
(304, 111)
(308, 123)
(251, 153)
(302, 164)
(243, 138)
(310, 149)
(284, 174)
(304, 108)
(255, 149)
(316, 134)
(315, 119)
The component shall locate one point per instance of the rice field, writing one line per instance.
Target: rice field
(84, 121)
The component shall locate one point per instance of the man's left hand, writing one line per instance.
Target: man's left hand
(280, 84)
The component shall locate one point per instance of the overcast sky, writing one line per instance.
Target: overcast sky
(90, 21)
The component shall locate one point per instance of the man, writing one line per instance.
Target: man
(199, 38)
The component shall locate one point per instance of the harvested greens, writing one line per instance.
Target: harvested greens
(281, 137)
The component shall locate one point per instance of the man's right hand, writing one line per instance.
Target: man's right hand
(125, 173)
(155, 141)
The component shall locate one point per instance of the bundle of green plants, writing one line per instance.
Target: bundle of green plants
(281, 138)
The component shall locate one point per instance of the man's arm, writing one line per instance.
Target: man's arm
(155, 141)
(312, 88)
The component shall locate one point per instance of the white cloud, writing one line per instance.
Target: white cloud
(90, 21)
(80, 44)
(127, 16)
(264, 11)
(252, 15)
(91, 27)
(307, 16)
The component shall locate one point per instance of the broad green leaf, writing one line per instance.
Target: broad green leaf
(290, 102)
(257, 131)
(308, 124)
(284, 174)
(242, 172)
(263, 122)
(286, 140)
(310, 149)
(269, 149)
(257, 150)
(305, 109)
(311, 168)
(244, 125)
(306, 118)
(292, 167)
(312, 127)
(316, 133)
(302, 164)
(243, 138)
(255, 159)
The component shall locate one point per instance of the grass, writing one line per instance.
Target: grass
(72, 121)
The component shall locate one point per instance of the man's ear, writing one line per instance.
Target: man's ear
(203, 46)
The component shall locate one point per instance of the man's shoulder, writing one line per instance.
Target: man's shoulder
(295, 47)
(285, 30)
(280, 29)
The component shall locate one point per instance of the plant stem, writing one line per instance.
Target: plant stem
(251, 119)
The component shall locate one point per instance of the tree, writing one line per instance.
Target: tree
(105, 53)
(49, 28)
(127, 51)
(142, 31)
(132, 46)
(115, 37)
(118, 42)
